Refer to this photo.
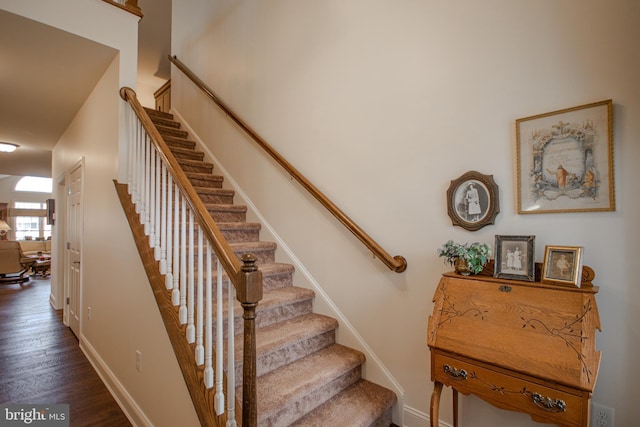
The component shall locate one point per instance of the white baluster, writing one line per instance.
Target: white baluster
(231, 359)
(219, 396)
(175, 295)
(163, 220)
(200, 302)
(130, 148)
(157, 205)
(169, 233)
(183, 264)
(152, 197)
(191, 330)
(208, 323)
(147, 184)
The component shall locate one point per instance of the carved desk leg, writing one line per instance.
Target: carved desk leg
(435, 404)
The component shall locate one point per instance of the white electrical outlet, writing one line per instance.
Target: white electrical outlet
(89, 313)
(139, 360)
(601, 416)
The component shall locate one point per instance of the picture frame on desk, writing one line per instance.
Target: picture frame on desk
(514, 258)
(562, 265)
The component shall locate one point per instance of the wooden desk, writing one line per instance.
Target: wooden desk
(522, 346)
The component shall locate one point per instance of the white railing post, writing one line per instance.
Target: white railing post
(219, 396)
(177, 271)
(183, 264)
(191, 330)
(208, 323)
(163, 220)
(168, 278)
(156, 209)
(231, 360)
(200, 303)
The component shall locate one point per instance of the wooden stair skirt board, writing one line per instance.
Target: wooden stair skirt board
(304, 377)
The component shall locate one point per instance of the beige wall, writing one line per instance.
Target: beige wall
(381, 104)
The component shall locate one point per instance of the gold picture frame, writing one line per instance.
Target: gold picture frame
(565, 160)
(562, 265)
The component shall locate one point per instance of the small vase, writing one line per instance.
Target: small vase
(461, 267)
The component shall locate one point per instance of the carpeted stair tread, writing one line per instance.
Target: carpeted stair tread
(218, 191)
(201, 179)
(179, 142)
(163, 121)
(171, 131)
(186, 153)
(196, 163)
(156, 113)
(286, 393)
(278, 335)
(284, 342)
(364, 404)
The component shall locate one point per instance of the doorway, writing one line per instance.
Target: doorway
(73, 248)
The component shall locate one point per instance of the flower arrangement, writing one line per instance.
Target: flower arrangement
(475, 254)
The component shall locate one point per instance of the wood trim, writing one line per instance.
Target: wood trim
(397, 263)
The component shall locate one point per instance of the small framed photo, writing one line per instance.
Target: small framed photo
(565, 160)
(472, 201)
(514, 258)
(562, 265)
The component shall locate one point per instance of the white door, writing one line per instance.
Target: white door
(74, 248)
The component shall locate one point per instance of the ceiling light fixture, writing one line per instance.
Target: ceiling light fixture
(7, 147)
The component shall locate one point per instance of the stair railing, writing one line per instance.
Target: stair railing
(397, 263)
(185, 239)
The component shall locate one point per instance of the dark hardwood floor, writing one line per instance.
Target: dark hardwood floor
(41, 362)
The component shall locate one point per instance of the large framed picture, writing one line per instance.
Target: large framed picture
(472, 201)
(562, 265)
(514, 258)
(565, 160)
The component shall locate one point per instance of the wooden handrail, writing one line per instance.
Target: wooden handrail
(397, 263)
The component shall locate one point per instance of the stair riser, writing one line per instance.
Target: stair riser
(283, 356)
(220, 199)
(160, 114)
(176, 133)
(159, 121)
(269, 315)
(237, 236)
(228, 216)
(179, 143)
(197, 156)
(188, 167)
(296, 408)
(211, 182)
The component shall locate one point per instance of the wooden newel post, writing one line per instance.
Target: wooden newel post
(249, 294)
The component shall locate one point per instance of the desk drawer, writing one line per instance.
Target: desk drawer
(509, 392)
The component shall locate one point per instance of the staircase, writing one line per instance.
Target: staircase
(304, 377)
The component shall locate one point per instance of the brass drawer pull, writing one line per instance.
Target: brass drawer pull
(548, 404)
(456, 374)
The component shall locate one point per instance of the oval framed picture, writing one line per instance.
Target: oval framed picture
(472, 201)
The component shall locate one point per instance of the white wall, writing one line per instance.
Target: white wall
(381, 104)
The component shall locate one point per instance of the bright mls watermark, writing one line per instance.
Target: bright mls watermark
(34, 415)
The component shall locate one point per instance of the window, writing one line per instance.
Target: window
(35, 184)
(31, 226)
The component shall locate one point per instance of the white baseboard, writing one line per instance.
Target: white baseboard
(128, 405)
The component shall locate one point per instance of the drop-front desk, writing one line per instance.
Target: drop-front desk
(522, 346)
